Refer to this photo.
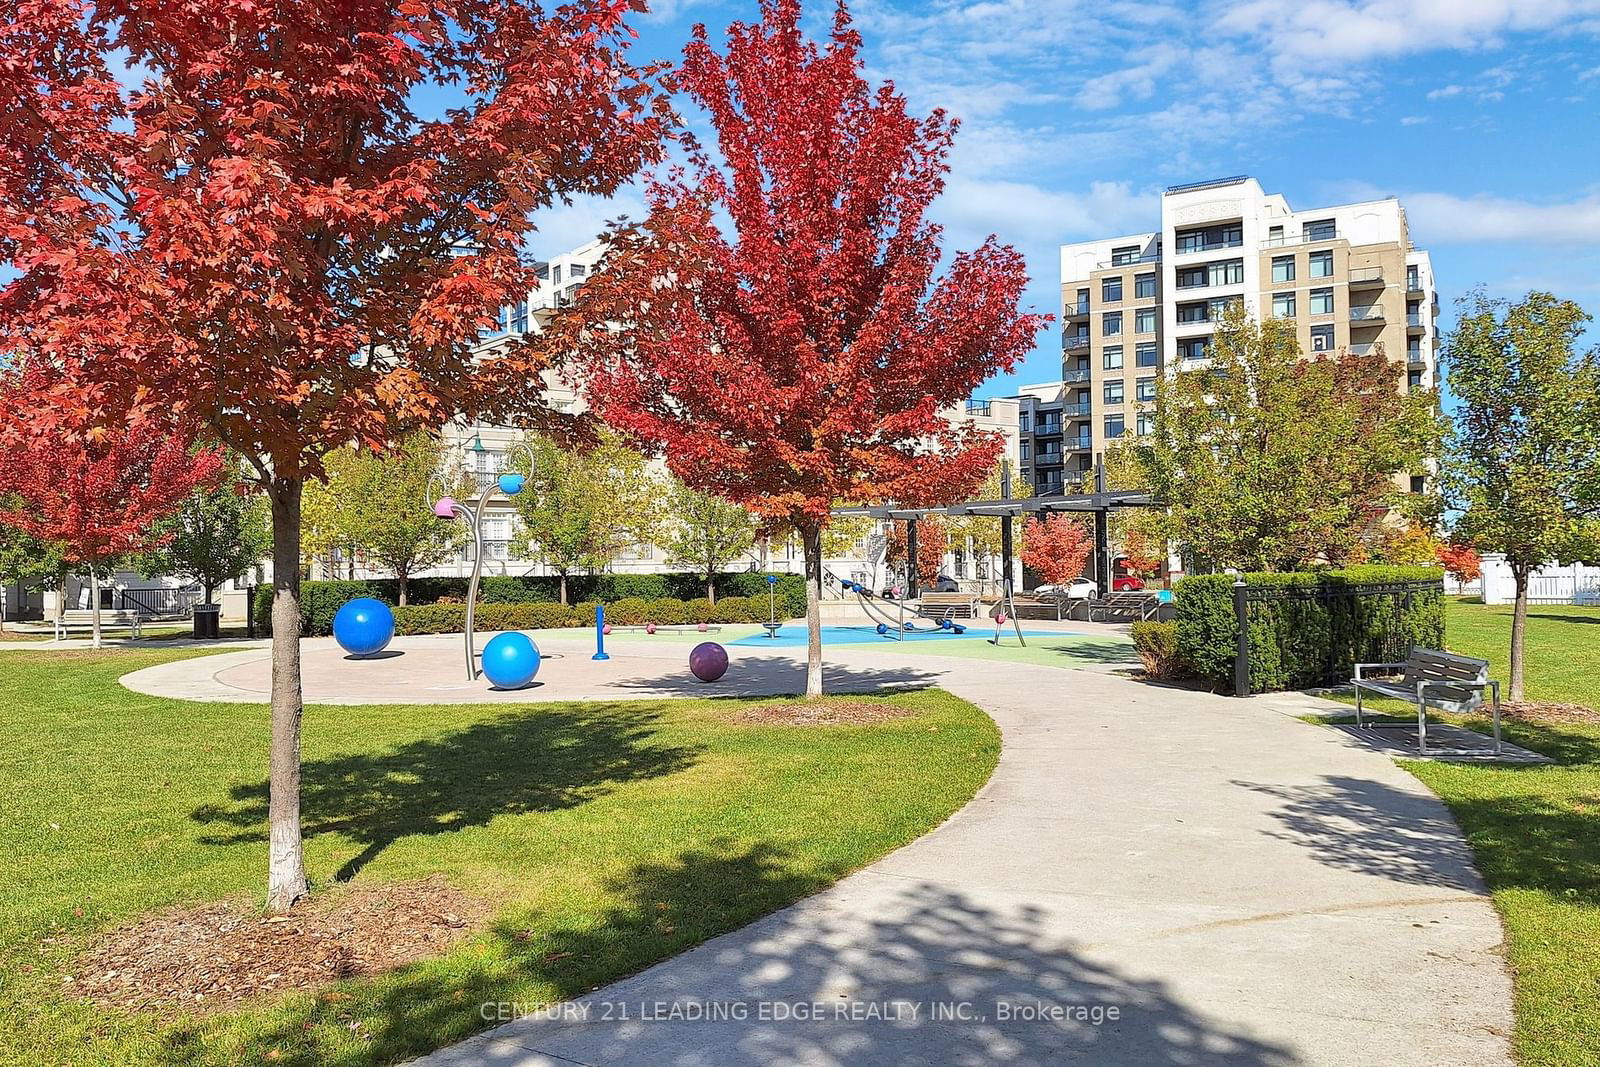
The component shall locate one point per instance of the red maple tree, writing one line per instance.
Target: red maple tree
(1139, 554)
(1056, 548)
(932, 542)
(800, 355)
(99, 494)
(293, 231)
(1460, 560)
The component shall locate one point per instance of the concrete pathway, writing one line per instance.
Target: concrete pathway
(1152, 876)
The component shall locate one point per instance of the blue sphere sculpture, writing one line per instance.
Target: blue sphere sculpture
(960, 629)
(883, 627)
(510, 660)
(363, 626)
(511, 484)
(772, 579)
(945, 624)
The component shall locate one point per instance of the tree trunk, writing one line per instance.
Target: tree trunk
(1519, 626)
(402, 576)
(94, 601)
(811, 539)
(563, 588)
(286, 871)
(711, 588)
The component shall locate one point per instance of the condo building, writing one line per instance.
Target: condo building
(1135, 306)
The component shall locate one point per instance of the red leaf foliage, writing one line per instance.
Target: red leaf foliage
(283, 234)
(1056, 548)
(1460, 560)
(780, 332)
(99, 493)
(932, 541)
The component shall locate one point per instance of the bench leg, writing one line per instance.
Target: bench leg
(1422, 728)
(1358, 707)
(1494, 689)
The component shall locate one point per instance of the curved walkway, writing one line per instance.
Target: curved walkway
(1232, 885)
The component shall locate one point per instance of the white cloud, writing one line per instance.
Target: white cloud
(1413, 120)
(1445, 91)
(976, 208)
(1137, 82)
(1444, 218)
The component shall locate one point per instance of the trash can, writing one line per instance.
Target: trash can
(208, 621)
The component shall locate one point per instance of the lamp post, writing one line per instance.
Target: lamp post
(509, 483)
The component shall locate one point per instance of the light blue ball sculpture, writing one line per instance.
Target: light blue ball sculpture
(363, 626)
(510, 660)
(511, 484)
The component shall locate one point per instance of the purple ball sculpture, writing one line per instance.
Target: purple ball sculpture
(708, 661)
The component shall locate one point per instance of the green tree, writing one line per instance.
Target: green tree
(218, 533)
(581, 508)
(327, 518)
(1522, 446)
(25, 561)
(705, 533)
(1267, 460)
(387, 515)
(980, 534)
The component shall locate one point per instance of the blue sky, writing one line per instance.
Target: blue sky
(1483, 116)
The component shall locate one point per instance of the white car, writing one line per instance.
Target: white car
(1077, 589)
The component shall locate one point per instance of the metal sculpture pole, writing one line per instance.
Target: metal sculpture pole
(447, 507)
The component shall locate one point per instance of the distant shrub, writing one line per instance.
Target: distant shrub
(1157, 646)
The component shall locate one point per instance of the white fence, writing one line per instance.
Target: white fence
(1574, 584)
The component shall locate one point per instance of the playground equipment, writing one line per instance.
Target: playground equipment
(363, 626)
(708, 661)
(888, 624)
(510, 660)
(447, 507)
(600, 631)
(772, 624)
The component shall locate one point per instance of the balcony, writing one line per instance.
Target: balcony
(1367, 316)
(1365, 348)
(1078, 310)
(1414, 358)
(977, 407)
(1367, 278)
(1128, 261)
(1081, 444)
(1413, 284)
(1075, 375)
(1076, 411)
(1415, 326)
(1315, 237)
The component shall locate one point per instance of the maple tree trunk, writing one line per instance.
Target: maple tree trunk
(94, 601)
(1519, 626)
(811, 539)
(286, 872)
(401, 575)
(563, 587)
(711, 587)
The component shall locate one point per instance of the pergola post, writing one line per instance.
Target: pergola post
(911, 559)
(1102, 532)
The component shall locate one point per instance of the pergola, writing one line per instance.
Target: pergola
(1099, 503)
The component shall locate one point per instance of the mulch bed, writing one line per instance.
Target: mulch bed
(1550, 713)
(214, 956)
(822, 713)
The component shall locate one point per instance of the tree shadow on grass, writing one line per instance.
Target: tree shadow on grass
(541, 759)
(1536, 842)
(927, 944)
(1553, 617)
(1356, 824)
(780, 676)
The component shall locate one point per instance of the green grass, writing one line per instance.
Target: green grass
(1536, 830)
(610, 835)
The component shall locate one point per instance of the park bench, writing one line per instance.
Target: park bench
(1431, 679)
(1045, 607)
(83, 619)
(949, 605)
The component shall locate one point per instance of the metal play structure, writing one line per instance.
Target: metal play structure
(1099, 503)
(444, 506)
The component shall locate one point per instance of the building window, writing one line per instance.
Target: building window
(1322, 301)
(1024, 420)
(1283, 305)
(1111, 324)
(555, 274)
(1200, 312)
(1275, 235)
(1147, 390)
(1414, 350)
(1024, 448)
(1113, 357)
(1322, 264)
(1113, 391)
(1111, 290)
(1144, 354)
(1413, 313)
(1230, 235)
(1144, 320)
(1283, 268)
(1414, 379)
(1322, 338)
(1114, 425)
(1224, 272)
(1321, 230)
(1194, 348)
(1419, 483)
(1144, 286)
(1125, 254)
(1411, 279)
(1146, 423)
(1083, 302)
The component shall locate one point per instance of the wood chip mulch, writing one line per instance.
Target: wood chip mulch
(1550, 713)
(822, 713)
(214, 956)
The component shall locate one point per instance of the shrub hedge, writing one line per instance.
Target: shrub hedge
(673, 598)
(1157, 646)
(1311, 639)
(633, 611)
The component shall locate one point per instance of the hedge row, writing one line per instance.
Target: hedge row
(630, 611)
(320, 600)
(1296, 643)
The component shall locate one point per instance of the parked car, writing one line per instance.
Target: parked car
(944, 584)
(1126, 583)
(1077, 589)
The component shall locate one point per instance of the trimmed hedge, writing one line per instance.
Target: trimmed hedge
(1157, 646)
(1297, 643)
(635, 611)
(673, 598)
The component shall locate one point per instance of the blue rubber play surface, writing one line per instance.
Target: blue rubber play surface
(795, 635)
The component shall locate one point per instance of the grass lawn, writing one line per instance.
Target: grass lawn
(1536, 830)
(609, 836)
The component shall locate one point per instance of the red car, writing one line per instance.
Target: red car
(1126, 583)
